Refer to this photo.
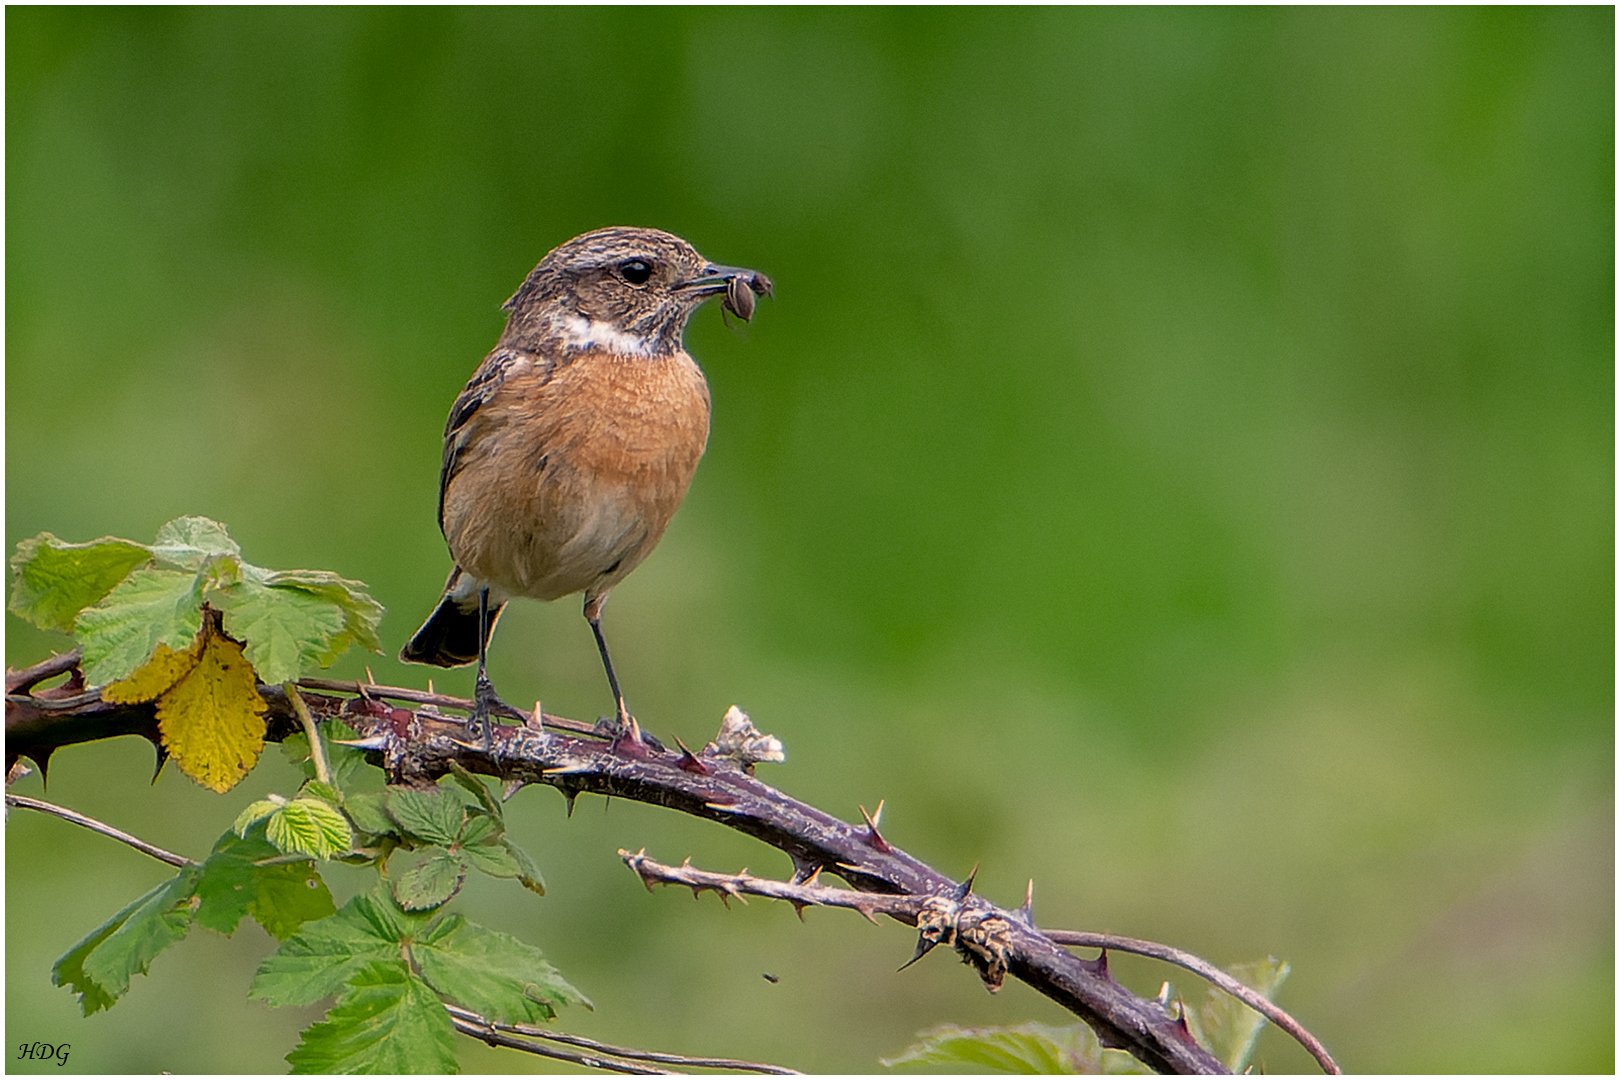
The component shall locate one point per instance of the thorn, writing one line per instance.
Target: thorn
(798, 908)
(689, 761)
(686, 863)
(873, 837)
(371, 680)
(966, 889)
(373, 742)
(1027, 912)
(1182, 1029)
(537, 722)
(1100, 966)
(511, 788)
(430, 686)
(924, 947)
(569, 797)
(877, 815)
(866, 911)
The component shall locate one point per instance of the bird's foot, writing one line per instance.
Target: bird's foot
(481, 721)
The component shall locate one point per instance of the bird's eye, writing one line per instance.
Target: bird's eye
(635, 271)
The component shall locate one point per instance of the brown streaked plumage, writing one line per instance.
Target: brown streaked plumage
(572, 445)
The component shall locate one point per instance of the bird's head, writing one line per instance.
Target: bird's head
(628, 289)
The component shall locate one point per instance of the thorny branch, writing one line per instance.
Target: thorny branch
(420, 745)
(916, 911)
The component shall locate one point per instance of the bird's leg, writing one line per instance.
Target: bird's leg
(484, 699)
(623, 724)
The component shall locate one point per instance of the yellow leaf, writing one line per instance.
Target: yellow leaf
(212, 719)
(153, 678)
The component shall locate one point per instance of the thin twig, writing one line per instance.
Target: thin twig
(96, 826)
(1171, 955)
(622, 1051)
(317, 753)
(492, 1035)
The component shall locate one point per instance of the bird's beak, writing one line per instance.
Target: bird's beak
(717, 279)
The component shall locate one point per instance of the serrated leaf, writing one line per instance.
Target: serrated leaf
(369, 812)
(189, 542)
(434, 815)
(286, 631)
(212, 720)
(491, 973)
(388, 1021)
(257, 811)
(317, 961)
(149, 608)
(288, 896)
(154, 678)
(69, 970)
(361, 613)
(56, 580)
(1227, 1027)
(1022, 1048)
(101, 966)
(309, 827)
(430, 881)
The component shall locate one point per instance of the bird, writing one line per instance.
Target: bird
(573, 443)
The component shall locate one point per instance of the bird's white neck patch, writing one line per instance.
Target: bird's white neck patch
(579, 332)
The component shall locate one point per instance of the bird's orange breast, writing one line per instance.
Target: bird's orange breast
(571, 477)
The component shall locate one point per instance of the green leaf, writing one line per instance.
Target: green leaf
(434, 815)
(431, 881)
(316, 789)
(228, 882)
(257, 811)
(491, 973)
(1226, 1026)
(323, 956)
(56, 580)
(288, 896)
(281, 897)
(286, 631)
(101, 966)
(361, 613)
(496, 860)
(528, 872)
(480, 828)
(309, 827)
(69, 970)
(1024, 1048)
(389, 1021)
(149, 608)
(189, 542)
(369, 812)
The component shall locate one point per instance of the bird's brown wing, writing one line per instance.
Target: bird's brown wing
(483, 385)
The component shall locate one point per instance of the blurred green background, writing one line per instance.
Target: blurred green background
(1177, 467)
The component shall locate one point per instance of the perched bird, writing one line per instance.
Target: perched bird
(571, 446)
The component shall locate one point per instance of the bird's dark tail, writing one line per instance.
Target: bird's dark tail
(449, 638)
